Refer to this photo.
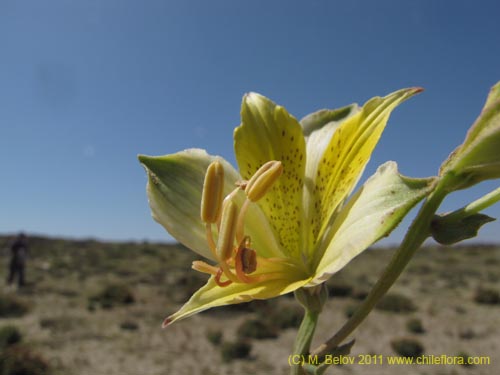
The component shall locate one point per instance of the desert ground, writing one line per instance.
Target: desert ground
(96, 308)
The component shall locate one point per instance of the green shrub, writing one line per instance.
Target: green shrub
(113, 295)
(61, 323)
(415, 326)
(18, 360)
(350, 310)
(214, 336)
(339, 289)
(282, 317)
(235, 350)
(129, 325)
(257, 329)
(396, 303)
(407, 347)
(11, 306)
(9, 335)
(465, 357)
(487, 296)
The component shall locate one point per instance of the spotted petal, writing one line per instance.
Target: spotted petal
(174, 189)
(372, 213)
(268, 132)
(335, 173)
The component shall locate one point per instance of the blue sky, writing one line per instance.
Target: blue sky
(85, 86)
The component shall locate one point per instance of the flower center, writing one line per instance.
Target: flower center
(237, 261)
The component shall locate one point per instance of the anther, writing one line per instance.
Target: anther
(263, 180)
(213, 189)
(248, 259)
(227, 230)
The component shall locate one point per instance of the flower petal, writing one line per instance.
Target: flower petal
(372, 213)
(317, 120)
(336, 172)
(319, 127)
(175, 185)
(267, 133)
(212, 295)
(478, 159)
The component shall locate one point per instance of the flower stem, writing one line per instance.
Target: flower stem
(416, 235)
(303, 340)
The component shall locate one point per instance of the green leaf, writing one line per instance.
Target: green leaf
(448, 232)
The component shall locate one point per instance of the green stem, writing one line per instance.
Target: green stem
(416, 235)
(303, 340)
(477, 206)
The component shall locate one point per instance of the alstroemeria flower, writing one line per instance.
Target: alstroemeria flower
(284, 223)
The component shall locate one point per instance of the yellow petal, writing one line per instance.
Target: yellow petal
(344, 158)
(372, 213)
(212, 295)
(267, 133)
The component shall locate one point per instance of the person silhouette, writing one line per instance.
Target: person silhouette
(19, 253)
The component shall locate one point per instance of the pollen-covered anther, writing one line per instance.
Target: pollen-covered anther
(263, 180)
(227, 232)
(213, 189)
(245, 261)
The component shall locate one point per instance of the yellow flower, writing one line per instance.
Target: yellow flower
(282, 222)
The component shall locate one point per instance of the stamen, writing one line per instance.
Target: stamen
(227, 230)
(217, 277)
(213, 188)
(245, 261)
(201, 266)
(241, 221)
(210, 239)
(263, 180)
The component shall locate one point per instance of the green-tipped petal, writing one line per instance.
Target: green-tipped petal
(267, 133)
(175, 184)
(212, 295)
(478, 158)
(372, 213)
(335, 173)
(317, 120)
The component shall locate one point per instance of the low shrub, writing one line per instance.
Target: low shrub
(129, 325)
(214, 336)
(350, 310)
(235, 350)
(11, 306)
(487, 296)
(282, 317)
(407, 347)
(339, 289)
(113, 295)
(465, 358)
(415, 326)
(396, 303)
(257, 329)
(19, 360)
(9, 335)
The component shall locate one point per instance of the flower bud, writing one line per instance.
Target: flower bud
(213, 188)
(227, 230)
(477, 158)
(263, 180)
